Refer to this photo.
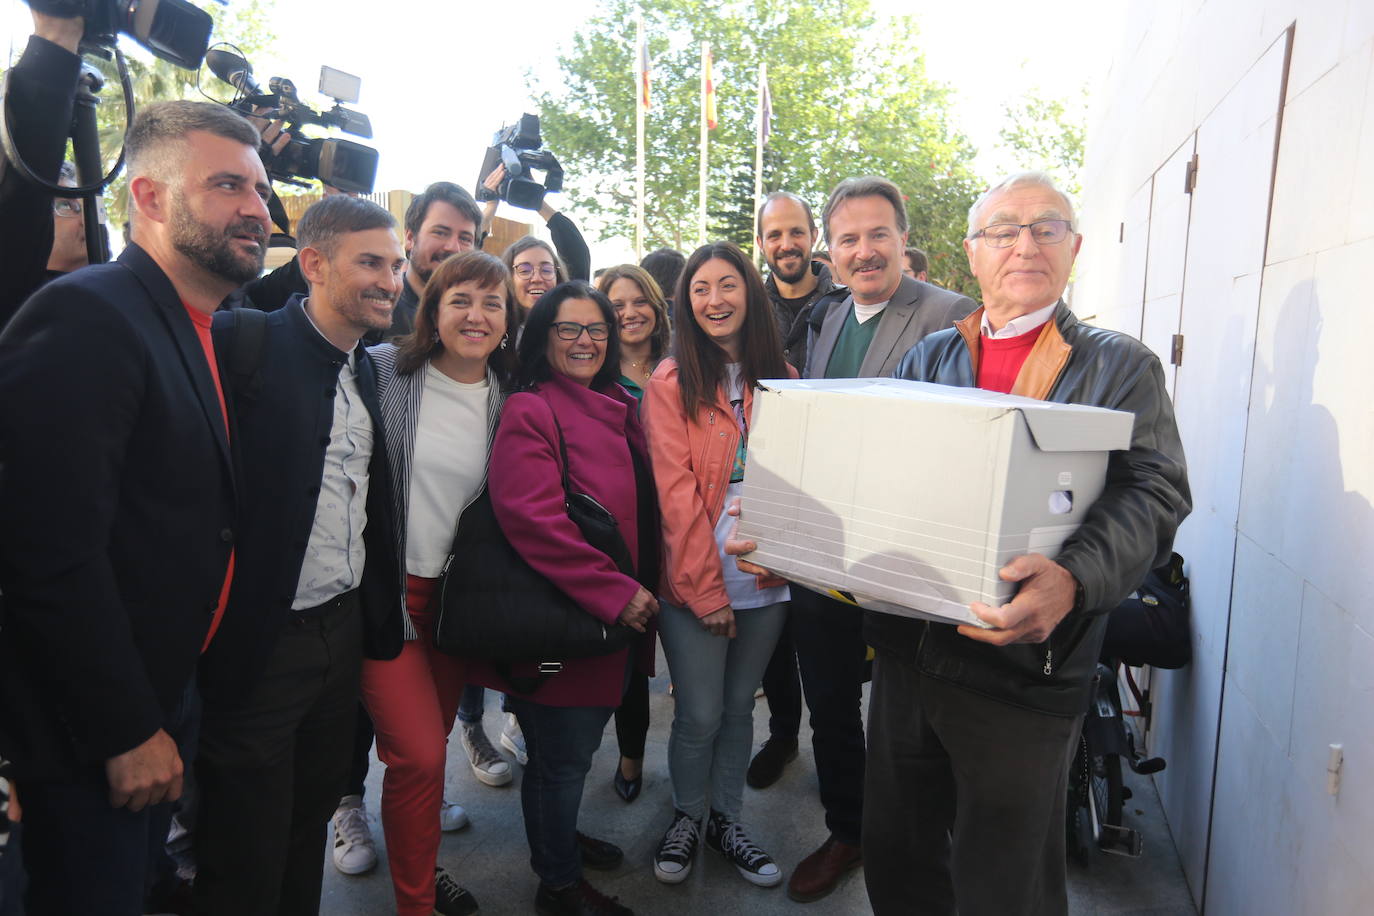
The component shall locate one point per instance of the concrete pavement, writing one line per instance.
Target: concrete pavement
(491, 857)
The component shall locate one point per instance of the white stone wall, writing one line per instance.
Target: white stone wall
(1275, 301)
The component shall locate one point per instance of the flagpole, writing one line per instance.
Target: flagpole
(641, 101)
(758, 156)
(701, 205)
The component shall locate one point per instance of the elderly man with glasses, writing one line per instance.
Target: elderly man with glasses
(971, 730)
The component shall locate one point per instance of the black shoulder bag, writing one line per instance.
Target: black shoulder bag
(493, 605)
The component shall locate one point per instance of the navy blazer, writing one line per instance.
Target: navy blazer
(116, 514)
(281, 427)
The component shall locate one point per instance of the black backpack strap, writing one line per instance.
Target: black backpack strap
(247, 345)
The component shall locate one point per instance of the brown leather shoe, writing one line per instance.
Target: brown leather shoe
(819, 873)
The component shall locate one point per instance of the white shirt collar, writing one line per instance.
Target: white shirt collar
(1022, 324)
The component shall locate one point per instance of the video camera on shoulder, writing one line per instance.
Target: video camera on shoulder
(342, 163)
(518, 148)
(174, 30)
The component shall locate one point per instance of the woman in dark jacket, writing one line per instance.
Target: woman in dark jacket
(569, 363)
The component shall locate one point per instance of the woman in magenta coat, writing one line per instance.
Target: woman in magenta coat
(568, 369)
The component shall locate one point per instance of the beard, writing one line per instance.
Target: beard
(213, 250)
(803, 266)
(358, 306)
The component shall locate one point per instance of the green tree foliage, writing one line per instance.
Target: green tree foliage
(850, 97)
(245, 24)
(1048, 134)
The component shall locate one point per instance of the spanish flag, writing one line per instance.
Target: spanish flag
(708, 88)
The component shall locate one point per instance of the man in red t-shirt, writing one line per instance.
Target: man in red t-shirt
(118, 501)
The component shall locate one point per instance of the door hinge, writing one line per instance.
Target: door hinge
(1190, 175)
(1176, 352)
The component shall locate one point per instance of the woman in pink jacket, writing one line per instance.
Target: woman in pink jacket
(569, 364)
(718, 625)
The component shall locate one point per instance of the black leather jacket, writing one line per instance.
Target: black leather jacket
(1128, 531)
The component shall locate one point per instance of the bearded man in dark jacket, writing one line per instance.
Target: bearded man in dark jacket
(971, 730)
(786, 236)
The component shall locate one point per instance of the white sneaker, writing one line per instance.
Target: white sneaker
(452, 817)
(354, 851)
(513, 739)
(487, 764)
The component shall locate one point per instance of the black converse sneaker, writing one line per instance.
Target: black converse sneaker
(729, 839)
(449, 898)
(673, 860)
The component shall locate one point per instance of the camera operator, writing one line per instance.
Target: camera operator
(567, 239)
(40, 97)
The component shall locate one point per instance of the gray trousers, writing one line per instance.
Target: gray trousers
(1000, 848)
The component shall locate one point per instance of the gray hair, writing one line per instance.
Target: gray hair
(321, 226)
(867, 186)
(157, 139)
(1020, 180)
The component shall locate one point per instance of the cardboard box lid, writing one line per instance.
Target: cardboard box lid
(1054, 427)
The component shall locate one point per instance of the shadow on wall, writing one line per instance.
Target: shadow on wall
(1325, 532)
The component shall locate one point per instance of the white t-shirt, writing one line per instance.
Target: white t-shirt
(862, 313)
(447, 468)
(741, 587)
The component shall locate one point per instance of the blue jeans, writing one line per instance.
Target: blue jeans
(714, 680)
(474, 702)
(561, 741)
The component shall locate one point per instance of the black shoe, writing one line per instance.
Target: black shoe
(729, 838)
(767, 764)
(677, 850)
(598, 854)
(580, 899)
(449, 898)
(627, 789)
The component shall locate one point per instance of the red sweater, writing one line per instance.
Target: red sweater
(1000, 362)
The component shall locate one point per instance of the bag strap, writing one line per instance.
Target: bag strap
(247, 346)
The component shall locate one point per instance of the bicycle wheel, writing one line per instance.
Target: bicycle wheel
(1078, 821)
(1107, 788)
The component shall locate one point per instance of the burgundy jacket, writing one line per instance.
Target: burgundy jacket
(524, 480)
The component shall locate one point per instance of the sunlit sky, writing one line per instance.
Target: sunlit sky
(439, 78)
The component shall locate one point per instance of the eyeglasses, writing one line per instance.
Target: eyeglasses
(66, 206)
(545, 271)
(571, 330)
(1043, 232)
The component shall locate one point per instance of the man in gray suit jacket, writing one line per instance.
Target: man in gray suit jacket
(860, 335)
(866, 231)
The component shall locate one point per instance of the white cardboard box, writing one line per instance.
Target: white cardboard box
(910, 496)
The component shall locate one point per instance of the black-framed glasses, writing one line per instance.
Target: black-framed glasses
(545, 271)
(571, 330)
(1043, 232)
(66, 206)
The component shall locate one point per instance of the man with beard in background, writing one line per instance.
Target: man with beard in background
(786, 236)
(444, 220)
(118, 508)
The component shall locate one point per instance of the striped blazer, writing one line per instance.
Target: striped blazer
(401, 394)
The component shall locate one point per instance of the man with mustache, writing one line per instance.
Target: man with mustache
(118, 500)
(862, 335)
(316, 581)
